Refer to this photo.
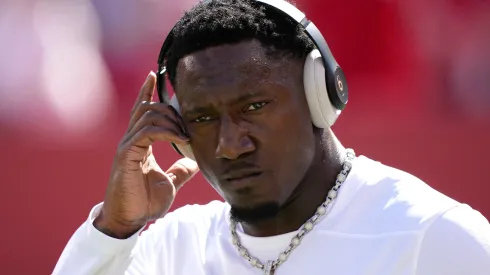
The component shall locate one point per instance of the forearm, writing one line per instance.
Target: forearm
(90, 251)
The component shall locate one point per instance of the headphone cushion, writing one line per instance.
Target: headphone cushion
(185, 150)
(322, 111)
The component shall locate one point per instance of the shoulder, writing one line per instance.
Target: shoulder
(457, 242)
(394, 199)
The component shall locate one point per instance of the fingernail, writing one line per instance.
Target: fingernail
(184, 137)
(149, 75)
(171, 176)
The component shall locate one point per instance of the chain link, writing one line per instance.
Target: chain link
(304, 229)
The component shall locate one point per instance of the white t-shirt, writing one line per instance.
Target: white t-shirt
(383, 222)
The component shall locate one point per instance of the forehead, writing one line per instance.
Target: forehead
(224, 74)
(222, 65)
(220, 74)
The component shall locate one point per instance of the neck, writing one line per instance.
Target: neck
(308, 195)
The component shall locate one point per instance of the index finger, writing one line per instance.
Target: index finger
(146, 92)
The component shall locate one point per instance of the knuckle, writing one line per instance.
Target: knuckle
(122, 151)
(145, 104)
(149, 114)
(155, 118)
(147, 129)
(135, 150)
(141, 106)
(181, 168)
(127, 150)
(146, 119)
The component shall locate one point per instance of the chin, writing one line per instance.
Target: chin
(255, 213)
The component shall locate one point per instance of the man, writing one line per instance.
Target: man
(296, 200)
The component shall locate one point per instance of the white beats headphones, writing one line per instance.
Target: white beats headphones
(324, 81)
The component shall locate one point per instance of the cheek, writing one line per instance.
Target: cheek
(295, 144)
(290, 146)
(210, 178)
(204, 148)
(294, 160)
(206, 168)
(290, 126)
(204, 140)
(204, 153)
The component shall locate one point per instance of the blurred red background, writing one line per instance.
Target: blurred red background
(417, 71)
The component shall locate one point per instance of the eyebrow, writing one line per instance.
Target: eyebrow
(244, 97)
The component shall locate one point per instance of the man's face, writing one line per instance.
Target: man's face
(248, 121)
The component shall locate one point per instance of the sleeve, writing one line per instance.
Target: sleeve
(91, 252)
(456, 243)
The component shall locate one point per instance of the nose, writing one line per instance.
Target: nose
(234, 140)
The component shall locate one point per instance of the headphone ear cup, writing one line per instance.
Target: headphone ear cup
(184, 150)
(175, 104)
(323, 113)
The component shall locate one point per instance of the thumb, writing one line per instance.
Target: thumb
(182, 171)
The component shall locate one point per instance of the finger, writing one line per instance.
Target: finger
(182, 171)
(178, 117)
(146, 91)
(149, 134)
(146, 106)
(153, 118)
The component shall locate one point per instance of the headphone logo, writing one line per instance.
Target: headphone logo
(340, 84)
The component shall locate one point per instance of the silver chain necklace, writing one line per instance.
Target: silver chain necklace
(271, 266)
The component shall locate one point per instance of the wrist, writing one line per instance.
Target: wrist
(115, 229)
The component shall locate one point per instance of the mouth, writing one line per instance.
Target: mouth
(242, 179)
(243, 176)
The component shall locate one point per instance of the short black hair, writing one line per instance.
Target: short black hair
(218, 22)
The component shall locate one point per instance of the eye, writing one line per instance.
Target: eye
(255, 106)
(202, 119)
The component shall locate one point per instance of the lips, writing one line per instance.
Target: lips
(239, 179)
(241, 174)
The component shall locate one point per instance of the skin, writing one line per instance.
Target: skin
(242, 112)
(242, 108)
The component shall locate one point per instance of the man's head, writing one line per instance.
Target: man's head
(237, 69)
